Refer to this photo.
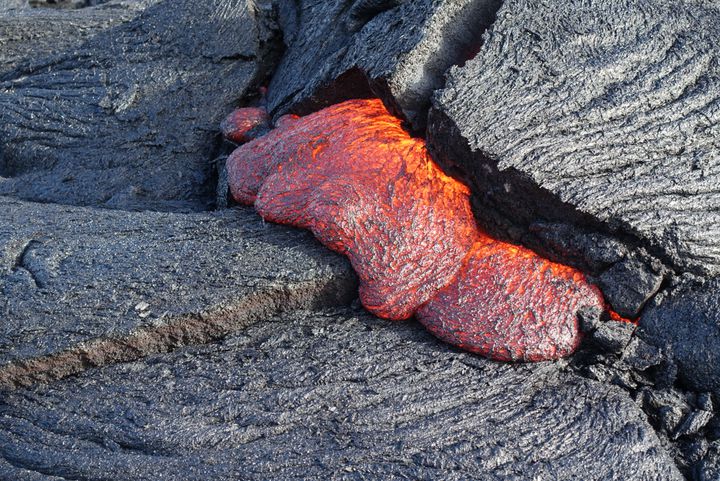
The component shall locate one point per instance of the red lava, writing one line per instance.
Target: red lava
(368, 190)
(240, 124)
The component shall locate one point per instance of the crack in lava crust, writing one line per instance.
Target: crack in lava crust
(365, 188)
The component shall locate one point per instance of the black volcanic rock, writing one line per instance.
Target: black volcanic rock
(686, 322)
(628, 285)
(709, 468)
(82, 287)
(129, 119)
(400, 49)
(327, 396)
(598, 114)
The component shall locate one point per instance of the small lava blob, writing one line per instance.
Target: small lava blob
(243, 124)
(353, 176)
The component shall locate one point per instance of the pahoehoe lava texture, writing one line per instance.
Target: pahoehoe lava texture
(81, 287)
(327, 395)
(129, 118)
(595, 110)
(366, 189)
(25, 32)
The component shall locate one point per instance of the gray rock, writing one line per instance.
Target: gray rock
(130, 119)
(341, 396)
(667, 407)
(602, 114)
(640, 355)
(687, 323)
(82, 287)
(29, 34)
(705, 402)
(591, 251)
(628, 285)
(709, 468)
(8, 5)
(65, 3)
(693, 423)
(394, 49)
(612, 336)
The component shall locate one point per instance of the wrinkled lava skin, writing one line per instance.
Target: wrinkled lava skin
(366, 189)
(240, 125)
(509, 304)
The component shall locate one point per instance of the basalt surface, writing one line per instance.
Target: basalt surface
(26, 32)
(587, 130)
(686, 322)
(602, 116)
(338, 395)
(394, 49)
(128, 119)
(84, 287)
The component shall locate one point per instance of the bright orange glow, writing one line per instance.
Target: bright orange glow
(366, 189)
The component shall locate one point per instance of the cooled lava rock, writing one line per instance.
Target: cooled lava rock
(26, 32)
(686, 322)
(82, 287)
(398, 50)
(366, 189)
(599, 114)
(128, 119)
(338, 395)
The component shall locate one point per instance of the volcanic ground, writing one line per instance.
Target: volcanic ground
(499, 258)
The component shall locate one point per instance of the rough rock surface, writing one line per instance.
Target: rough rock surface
(687, 323)
(401, 50)
(84, 287)
(130, 119)
(341, 396)
(65, 3)
(30, 34)
(595, 113)
(8, 5)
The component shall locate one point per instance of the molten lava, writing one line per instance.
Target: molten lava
(366, 189)
(242, 125)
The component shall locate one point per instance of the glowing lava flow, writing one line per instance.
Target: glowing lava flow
(366, 189)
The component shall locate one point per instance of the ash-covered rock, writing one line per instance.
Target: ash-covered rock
(598, 114)
(342, 396)
(129, 119)
(397, 50)
(84, 287)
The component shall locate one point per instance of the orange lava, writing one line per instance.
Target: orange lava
(366, 189)
(240, 125)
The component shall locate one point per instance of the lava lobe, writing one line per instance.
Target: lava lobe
(365, 188)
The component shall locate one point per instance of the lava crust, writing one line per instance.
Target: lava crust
(366, 189)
